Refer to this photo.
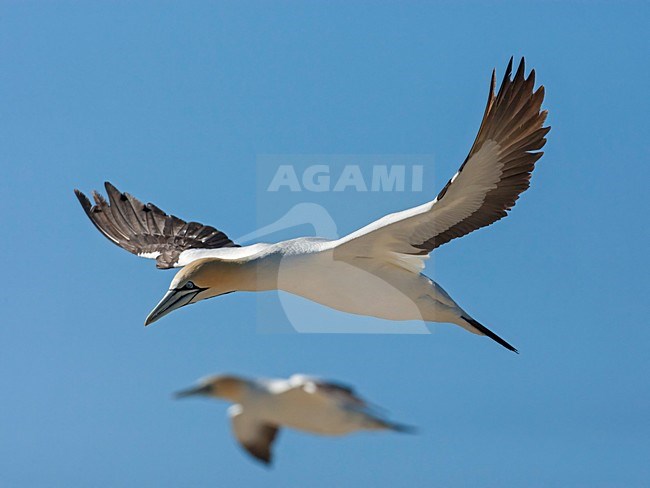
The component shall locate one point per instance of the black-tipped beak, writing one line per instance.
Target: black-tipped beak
(173, 299)
(197, 390)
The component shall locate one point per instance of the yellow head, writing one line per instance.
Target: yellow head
(201, 279)
(225, 386)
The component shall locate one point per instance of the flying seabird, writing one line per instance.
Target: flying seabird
(262, 406)
(375, 271)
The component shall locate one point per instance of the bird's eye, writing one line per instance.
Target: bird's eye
(189, 285)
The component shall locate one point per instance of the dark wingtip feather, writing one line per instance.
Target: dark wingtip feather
(520, 70)
(507, 74)
(493, 86)
(100, 201)
(83, 199)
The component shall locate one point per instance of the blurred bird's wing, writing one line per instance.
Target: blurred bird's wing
(254, 436)
(329, 390)
(147, 231)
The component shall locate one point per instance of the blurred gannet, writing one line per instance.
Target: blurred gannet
(263, 406)
(375, 271)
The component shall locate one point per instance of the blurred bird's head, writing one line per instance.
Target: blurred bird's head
(224, 386)
(201, 279)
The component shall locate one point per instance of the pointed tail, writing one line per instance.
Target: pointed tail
(395, 427)
(485, 331)
(402, 428)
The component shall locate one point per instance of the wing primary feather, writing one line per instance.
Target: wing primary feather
(145, 230)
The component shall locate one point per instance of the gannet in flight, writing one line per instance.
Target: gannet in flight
(263, 406)
(375, 271)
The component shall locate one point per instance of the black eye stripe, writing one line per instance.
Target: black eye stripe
(191, 287)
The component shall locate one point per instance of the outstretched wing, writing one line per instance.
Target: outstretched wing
(254, 436)
(147, 231)
(330, 389)
(494, 174)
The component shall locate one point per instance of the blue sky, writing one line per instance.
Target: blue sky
(176, 102)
